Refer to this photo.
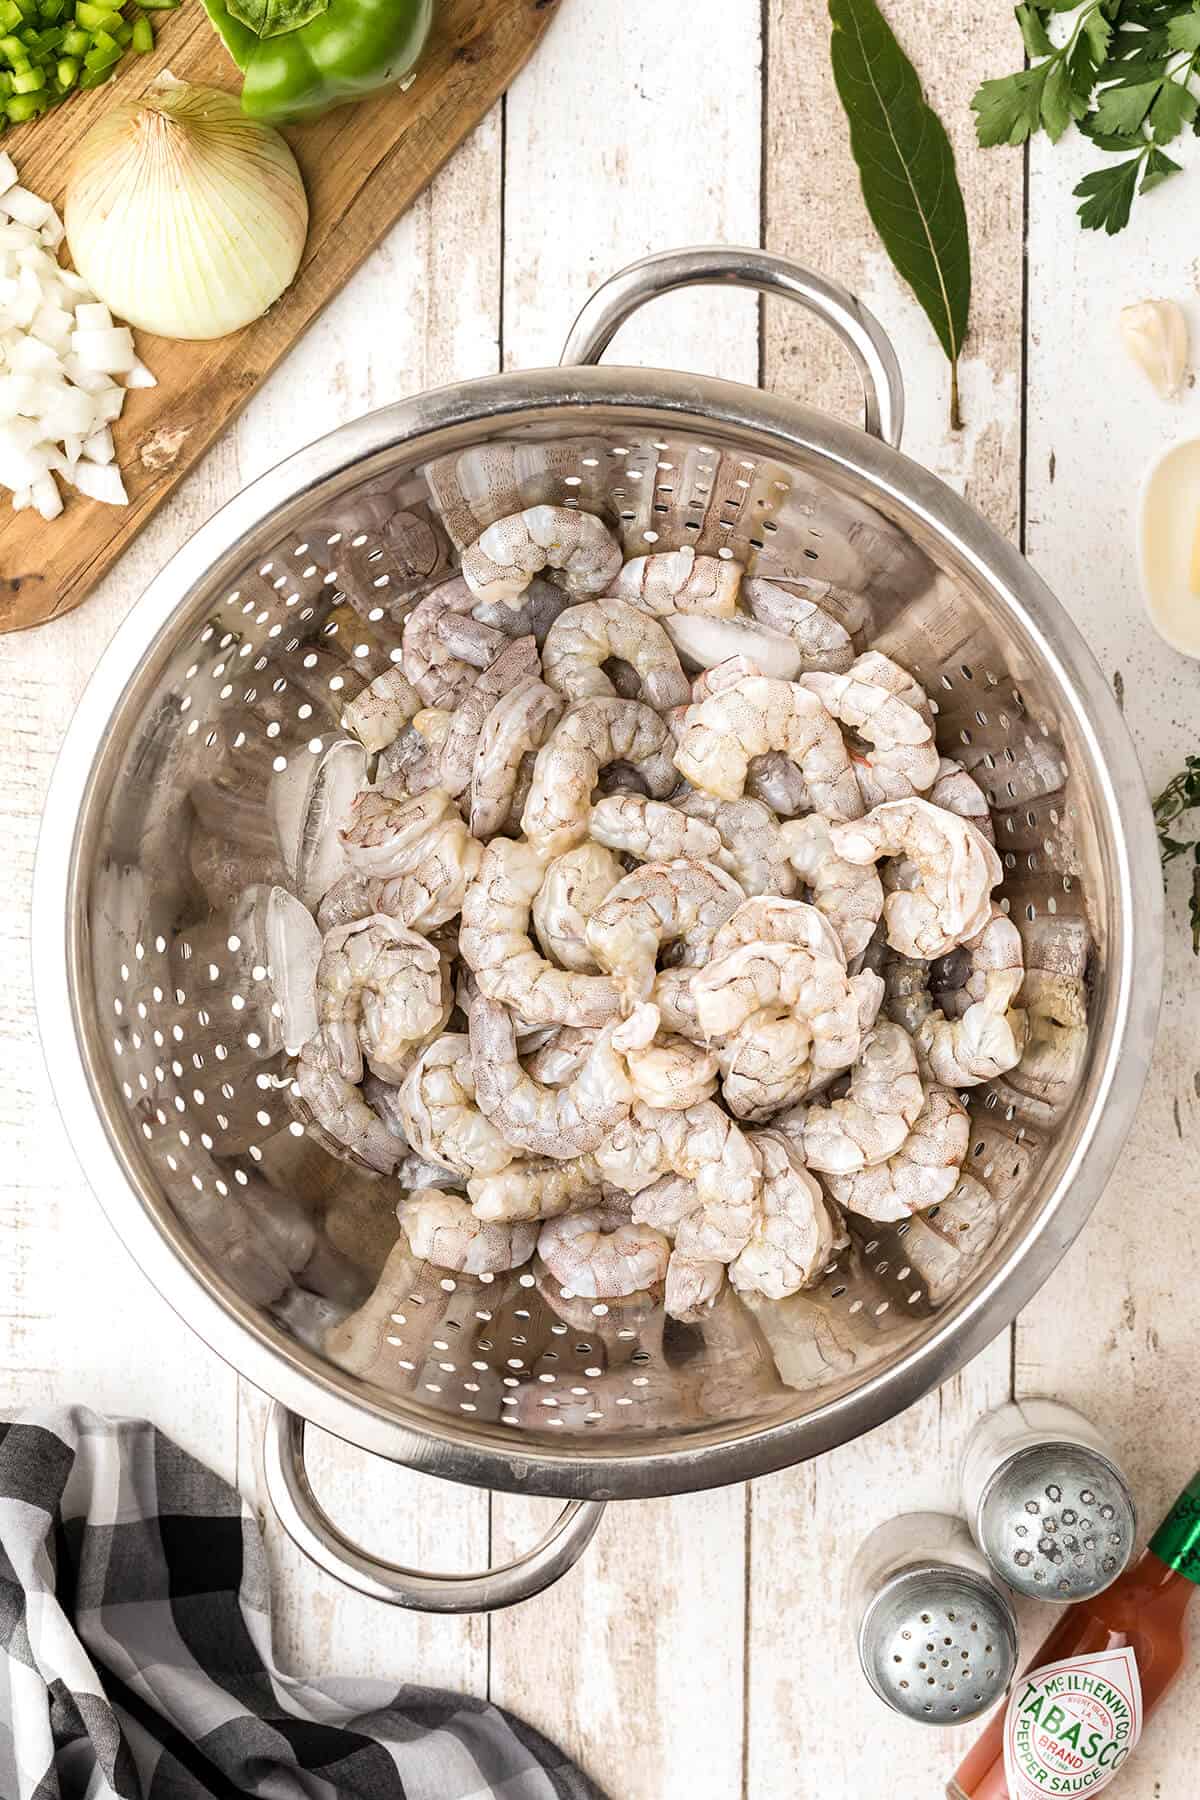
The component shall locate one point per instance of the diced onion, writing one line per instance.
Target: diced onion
(61, 354)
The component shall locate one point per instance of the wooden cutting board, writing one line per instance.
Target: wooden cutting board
(363, 166)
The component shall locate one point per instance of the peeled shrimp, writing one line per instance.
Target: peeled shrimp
(754, 977)
(338, 1114)
(584, 638)
(672, 999)
(590, 735)
(679, 581)
(691, 1287)
(652, 830)
(382, 710)
(442, 1229)
(494, 942)
(960, 793)
(563, 1053)
(382, 829)
(823, 643)
(773, 919)
(518, 660)
(658, 904)
(562, 1121)
(766, 1064)
(439, 676)
(757, 715)
(923, 1172)
(849, 894)
(575, 884)
(989, 1036)
(518, 723)
(601, 1255)
(883, 1105)
(881, 701)
(380, 990)
(437, 1108)
(579, 547)
(668, 1071)
(955, 866)
(702, 1143)
(419, 849)
(796, 1231)
(537, 1188)
(349, 898)
(749, 845)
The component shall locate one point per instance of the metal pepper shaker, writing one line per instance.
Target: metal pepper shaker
(1046, 1501)
(937, 1639)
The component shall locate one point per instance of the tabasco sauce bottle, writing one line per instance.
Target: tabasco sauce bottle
(1074, 1717)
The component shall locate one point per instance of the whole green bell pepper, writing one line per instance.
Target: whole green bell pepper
(300, 57)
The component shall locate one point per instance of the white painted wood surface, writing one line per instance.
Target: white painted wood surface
(702, 1649)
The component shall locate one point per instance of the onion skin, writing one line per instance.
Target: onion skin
(184, 216)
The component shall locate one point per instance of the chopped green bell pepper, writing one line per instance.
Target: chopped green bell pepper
(299, 58)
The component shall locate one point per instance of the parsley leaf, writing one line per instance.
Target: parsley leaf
(1158, 166)
(1122, 109)
(1180, 795)
(1172, 109)
(1107, 196)
(1009, 109)
(1183, 31)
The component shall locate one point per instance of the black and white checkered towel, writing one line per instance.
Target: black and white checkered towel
(135, 1650)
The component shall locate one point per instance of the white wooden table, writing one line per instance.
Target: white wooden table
(702, 1650)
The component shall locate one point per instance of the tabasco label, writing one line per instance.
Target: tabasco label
(1071, 1725)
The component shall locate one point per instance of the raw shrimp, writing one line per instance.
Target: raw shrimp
(679, 581)
(665, 1203)
(562, 1055)
(652, 830)
(380, 990)
(673, 1000)
(538, 1188)
(671, 1073)
(432, 891)
(906, 992)
(756, 977)
(439, 1114)
(658, 904)
(923, 1172)
(517, 725)
(494, 942)
(989, 1036)
(796, 1230)
(691, 1287)
(590, 735)
(750, 847)
(960, 793)
(336, 1112)
(823, 643)
(601, 1255)
(726, 673)
(442, 1229)
(955, 866)
(882, 1107)
(757, 715)
(560, 1122)
(765, 1065)
(349, 898)
(702, 1143)
(531, 616)
(580, 548)
(849, 894)
(469, 639)
(775, 780)
(575, 884)
(440, 677)
(584, 638)
(383, 709)
(515, 662)
(772, 919)
(383, 829)
(883, 704)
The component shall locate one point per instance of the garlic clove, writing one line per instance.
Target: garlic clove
(1155, 334)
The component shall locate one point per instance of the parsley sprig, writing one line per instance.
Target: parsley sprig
(1179, 796)
(1125, 73)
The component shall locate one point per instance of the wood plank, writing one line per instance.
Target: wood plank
(634, 1661)
(362, 165)
(814, 1727)
(1114, 1332)
(398, 328)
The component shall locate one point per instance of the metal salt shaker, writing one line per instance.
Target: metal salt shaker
(936, 1636)
(1046, 1502)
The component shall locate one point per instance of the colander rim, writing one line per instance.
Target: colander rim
(435, 424)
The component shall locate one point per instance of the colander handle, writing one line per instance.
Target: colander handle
(313, 1531)
(721, 265)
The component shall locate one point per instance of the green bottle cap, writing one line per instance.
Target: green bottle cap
(1177, 1540)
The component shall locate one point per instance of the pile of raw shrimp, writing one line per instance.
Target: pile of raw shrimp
(647, 973)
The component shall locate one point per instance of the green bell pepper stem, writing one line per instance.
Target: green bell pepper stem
(349, 50)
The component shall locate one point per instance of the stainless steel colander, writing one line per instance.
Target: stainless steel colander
(152, 958)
